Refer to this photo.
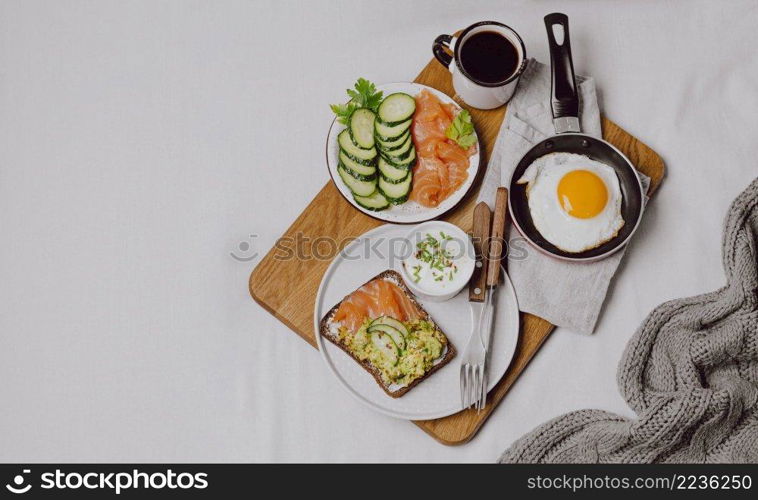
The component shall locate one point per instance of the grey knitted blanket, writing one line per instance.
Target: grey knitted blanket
(690, 372)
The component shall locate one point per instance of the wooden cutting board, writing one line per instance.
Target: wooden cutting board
(287, 287)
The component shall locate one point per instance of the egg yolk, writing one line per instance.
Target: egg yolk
(582, 194)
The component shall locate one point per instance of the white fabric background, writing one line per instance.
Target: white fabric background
(141, 142)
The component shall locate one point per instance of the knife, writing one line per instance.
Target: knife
(481, 235)
(496, 252)
(477, 288)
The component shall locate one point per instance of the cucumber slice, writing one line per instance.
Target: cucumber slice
(391, 173)
(347, 145)
(392, 145)
(393, 332)
(406, 162)
(396, 108)
(361, 128)
(394, 323)
(400, 153)
(396, 193)
(395, 181)
(386, 346)
(366, 163)
(389, 132)
(355, 166)
(357, 186)
(376, 202)
(356, 175)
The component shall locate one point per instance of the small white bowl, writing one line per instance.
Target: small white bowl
(464, 257)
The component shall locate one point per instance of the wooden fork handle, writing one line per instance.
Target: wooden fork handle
(497, 244)
(481, 237)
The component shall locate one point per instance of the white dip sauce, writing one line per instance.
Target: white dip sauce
(439, 262)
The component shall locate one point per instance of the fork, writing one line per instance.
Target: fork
(472, 374)
(482, 295)
(495, 253)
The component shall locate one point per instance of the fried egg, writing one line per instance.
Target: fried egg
(574, 201)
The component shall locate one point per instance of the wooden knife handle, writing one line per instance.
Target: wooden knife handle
(497, 243)
(481, 237)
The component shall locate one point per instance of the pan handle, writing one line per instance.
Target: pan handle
(564, 98)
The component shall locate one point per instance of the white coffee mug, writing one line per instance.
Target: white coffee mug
(474, 92)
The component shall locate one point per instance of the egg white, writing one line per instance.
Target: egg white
(569, 233)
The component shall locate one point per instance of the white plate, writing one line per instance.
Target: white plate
(439, 395)
(409, 212)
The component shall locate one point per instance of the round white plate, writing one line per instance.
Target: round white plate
(439, 395)
(409, 212)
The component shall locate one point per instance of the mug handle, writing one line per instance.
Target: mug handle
(441, 43)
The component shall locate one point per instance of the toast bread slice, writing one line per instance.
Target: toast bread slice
(396, 279)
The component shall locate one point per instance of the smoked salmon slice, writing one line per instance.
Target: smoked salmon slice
(442, 165)
(376, 298)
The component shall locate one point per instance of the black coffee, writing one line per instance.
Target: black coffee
(489, 57)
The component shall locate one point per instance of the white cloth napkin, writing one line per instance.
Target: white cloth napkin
(564, 293)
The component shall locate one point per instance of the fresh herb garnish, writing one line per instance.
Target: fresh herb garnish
(416, 275)
(343, 111)
(364, 95)
(430, 251)
(461, 130)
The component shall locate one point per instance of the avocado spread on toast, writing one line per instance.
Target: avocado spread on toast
(400, 351)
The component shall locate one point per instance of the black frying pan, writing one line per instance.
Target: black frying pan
(569, 139)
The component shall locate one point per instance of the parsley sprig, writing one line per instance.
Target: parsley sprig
(363, 95)
(461, 130)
